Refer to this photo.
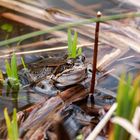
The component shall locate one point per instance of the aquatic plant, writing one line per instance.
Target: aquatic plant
(12, 126)
(73, 51)
(12, 72)
(90, 98)
(23, 63)
(1, 81)
(7, 27)
(128, 99)
(1, 77)
(79, 137)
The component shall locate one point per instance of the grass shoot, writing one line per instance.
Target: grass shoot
(23, 63)
(128, 99)
(12, 72)
(12, 126)
(73, 51)
(1, 77)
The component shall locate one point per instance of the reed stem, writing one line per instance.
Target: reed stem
(90, 98)
(95, 54)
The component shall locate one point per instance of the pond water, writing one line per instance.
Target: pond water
(83, 8)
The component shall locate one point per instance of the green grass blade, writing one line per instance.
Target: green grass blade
(12, 73)
(8, 124)
(1, 77)
(121, 89)
(14, 67)
(126, 102)
(23, 63)
(135, 96)
(119, 109)
(128, 99)
(8, 68)
(123, 106)
(74, 45)
(15, 125)
(79, 51)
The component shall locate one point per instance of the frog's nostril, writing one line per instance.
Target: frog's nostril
(42, 86)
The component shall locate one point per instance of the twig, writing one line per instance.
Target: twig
(45, 50)
(102, 123)
(94, 65)
(90, 97)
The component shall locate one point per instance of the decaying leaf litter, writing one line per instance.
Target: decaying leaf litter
(118, 49)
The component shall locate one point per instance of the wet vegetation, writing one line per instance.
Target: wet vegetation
(12, 126)
(65, 80)
(12, 80)
(73, 51)
(126, 108)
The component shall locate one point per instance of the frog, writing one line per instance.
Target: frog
(46, 74)
(40, 70)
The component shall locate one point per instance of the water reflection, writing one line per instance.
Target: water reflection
(86, 8)
(17, 99)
